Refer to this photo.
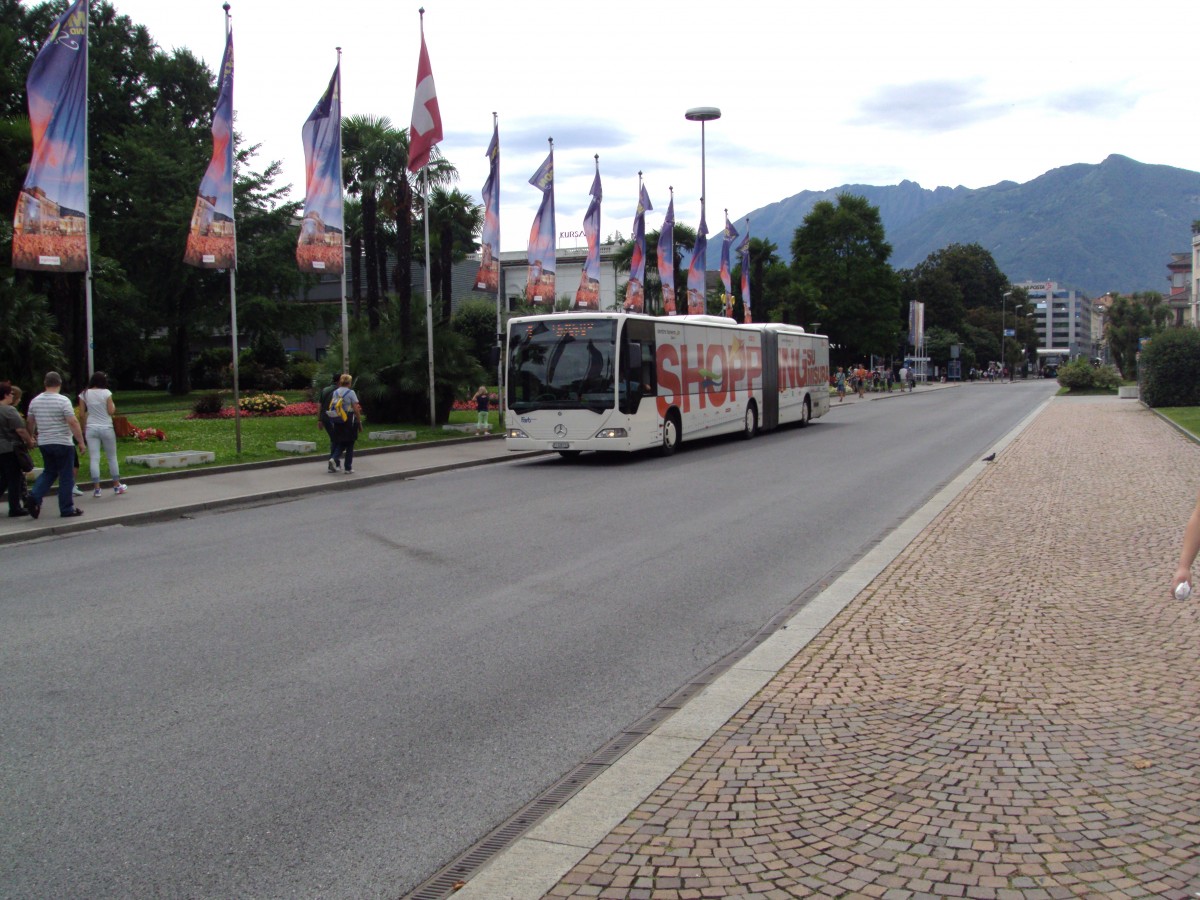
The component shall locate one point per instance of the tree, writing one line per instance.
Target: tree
(405, 189)
(764, 256)
(1140, 315)
(475, 320)
(369, 155)
(685, 239)
(840, 253)
(952, 281)
(456, 219)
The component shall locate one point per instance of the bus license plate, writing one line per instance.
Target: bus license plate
(560, 445)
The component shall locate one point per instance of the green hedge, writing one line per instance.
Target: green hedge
(1080, 375)
(1169, 369)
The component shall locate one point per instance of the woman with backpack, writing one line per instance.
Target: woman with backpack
(344, 415)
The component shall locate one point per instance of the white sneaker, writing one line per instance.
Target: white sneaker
(120, 489)
(75, 491)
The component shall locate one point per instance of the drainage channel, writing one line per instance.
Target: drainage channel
(445, 882)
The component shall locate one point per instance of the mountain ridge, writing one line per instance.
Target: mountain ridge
(1109, 226)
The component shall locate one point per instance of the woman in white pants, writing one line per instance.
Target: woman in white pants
(97, 403)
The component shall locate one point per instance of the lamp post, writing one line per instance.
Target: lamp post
(1004, 333)
(702, 114)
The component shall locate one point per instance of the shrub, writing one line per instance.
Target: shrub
(1169, 369)
(301, 371)
(262, 403)
(1077, 375)
(207, 404)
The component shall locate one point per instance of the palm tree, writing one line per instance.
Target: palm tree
(456, 221)
(685, 239)
(408, 212)
(368, 149)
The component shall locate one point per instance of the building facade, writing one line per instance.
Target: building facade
(1062, 320)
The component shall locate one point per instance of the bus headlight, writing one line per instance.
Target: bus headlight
(516, 433)
(612, 433)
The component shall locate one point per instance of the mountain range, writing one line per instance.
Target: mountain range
(1095, 228)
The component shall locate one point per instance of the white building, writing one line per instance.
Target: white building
(1062, 319)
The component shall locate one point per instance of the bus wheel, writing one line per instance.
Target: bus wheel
(806, 416)
(671, 434)
(750, 426)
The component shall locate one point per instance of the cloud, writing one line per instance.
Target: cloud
(930, 107)
(1103, 102)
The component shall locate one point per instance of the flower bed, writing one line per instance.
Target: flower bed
(292, 409)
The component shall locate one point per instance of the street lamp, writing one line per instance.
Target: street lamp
(702, 114)
(1004, 332)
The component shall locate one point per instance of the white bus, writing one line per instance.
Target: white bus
(622, 382)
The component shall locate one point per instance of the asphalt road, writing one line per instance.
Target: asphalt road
(333, 696)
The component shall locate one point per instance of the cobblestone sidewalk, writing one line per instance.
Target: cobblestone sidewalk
(1010, 710)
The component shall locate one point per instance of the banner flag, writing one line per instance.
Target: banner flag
(635, 294)
(426, 129)
(212, 238)
(743, 249)
(727, 297)
(696, 271)
(488, 278)
(587, 295)
(51, 221)
(539, 288)
(666, 258)
(322, 230)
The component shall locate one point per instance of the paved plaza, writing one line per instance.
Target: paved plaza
(1011, 709)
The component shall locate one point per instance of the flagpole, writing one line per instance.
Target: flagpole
(499, 292)
(345, 317)
(87, 212)
(429, 301)
(237, 406)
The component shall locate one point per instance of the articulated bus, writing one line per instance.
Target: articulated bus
(624, 382)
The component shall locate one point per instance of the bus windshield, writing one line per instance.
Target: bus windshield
(568, 364)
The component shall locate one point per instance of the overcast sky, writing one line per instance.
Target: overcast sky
(812, 94)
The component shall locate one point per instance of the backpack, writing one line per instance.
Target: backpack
(339, 412)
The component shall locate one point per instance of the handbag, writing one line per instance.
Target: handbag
(24, 457)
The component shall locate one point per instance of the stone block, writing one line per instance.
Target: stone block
(392, 435)
(468, 429)
(296, 446)
(1127, 392)
(174, 460)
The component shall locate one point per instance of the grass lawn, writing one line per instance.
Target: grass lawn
(1187, 417)
(169, 414)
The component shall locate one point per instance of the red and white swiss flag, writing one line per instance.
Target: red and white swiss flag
(426, 127)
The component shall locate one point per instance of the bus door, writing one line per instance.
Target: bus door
(770, 380)
(639, 370)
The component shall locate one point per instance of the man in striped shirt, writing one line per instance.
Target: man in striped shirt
(51, 420)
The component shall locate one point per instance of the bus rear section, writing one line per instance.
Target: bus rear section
(797, 367)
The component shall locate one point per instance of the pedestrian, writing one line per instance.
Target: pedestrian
(322, 405)
(13, 437)
(841, 384)
(52, 423)
(96, 404)
(912, 380)
(345, 421)
(903, 378)
(1187, 555)
(860, 381)
(481, 410)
